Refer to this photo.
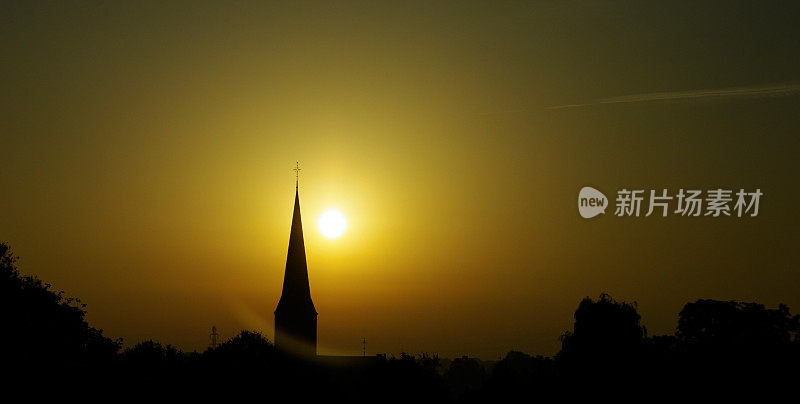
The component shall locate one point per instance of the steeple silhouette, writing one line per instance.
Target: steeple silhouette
(295, 316)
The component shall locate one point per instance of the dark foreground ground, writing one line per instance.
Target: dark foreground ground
(721, 350)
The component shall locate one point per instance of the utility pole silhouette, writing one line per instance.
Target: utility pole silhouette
(214, 336)
(363, 346)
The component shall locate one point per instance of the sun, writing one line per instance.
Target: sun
(332, 223)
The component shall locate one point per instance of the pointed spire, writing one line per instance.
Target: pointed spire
(296, 295)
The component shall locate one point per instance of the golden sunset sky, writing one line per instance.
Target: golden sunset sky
(147, 154)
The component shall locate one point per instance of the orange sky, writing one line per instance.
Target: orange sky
(148, 148)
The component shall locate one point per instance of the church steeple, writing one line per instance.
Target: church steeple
(296, 291)
(296, 316)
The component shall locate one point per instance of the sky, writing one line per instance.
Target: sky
(147, 155)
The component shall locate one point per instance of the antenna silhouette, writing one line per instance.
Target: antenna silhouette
(214, 336)
(363, 346)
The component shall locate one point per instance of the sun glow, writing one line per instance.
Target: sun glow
(332, 223)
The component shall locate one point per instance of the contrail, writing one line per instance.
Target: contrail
(732, 92)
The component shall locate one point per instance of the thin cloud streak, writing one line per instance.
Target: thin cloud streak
(733, 92)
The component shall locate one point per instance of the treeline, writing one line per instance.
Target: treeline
(717, 345)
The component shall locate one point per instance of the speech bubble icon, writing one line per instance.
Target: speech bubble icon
(591, 202)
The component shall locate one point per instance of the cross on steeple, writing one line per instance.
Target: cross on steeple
(296, 170)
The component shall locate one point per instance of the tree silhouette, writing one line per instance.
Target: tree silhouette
(728, 332)
(717, 344)
(247, 348)
(44, 327)
(517, 374)
(464, 376)
(152, 354)
(605, 331)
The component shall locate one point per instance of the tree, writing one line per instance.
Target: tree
(464, 376)
(152, 354)
(43, 326)
(518, 374)
(605, 331)
(720, 330)
(247, 344)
